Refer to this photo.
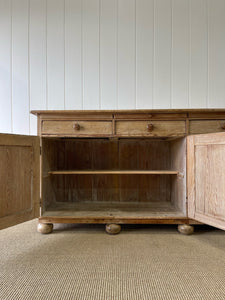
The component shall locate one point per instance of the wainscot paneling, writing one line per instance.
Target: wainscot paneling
(109, 54)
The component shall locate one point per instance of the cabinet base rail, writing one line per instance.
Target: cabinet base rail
(117, 220)
(112, 227)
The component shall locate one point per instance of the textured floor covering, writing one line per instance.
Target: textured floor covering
(83, 262)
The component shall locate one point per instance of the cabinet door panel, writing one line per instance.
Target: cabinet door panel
(206, 178)
(19, 179)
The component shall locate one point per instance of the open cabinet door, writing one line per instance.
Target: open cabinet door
(19, 179)
(206, 178)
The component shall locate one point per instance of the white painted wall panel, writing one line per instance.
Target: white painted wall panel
(198, 83)
(90, 38)
(144, 53)
(37, 62)
(216, 53)
(73, 54)
(5, 67)
(55, 54)
(162, 50)
(108, 54)
(180, 54)
(126, 54)
(20, 67)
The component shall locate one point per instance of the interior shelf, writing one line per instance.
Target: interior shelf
(119, 172)
(114, 209)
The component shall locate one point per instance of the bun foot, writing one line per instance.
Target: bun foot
(45, 228)
(112, 228)
(186, 229)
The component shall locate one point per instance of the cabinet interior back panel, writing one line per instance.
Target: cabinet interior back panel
(104, 154)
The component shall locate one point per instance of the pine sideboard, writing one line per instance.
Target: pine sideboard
(116, 167)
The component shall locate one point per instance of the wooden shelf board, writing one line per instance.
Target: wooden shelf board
(113, 210)
(119, 172)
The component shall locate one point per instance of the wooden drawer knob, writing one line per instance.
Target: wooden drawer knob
(150, 127)
(223, 126)
(76, 126)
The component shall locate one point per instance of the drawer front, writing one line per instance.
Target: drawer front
(206, 126)
(77, 128)
(150, 128)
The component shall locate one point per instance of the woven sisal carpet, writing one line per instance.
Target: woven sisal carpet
(83, 262)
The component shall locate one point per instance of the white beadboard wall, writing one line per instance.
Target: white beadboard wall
(109, 54)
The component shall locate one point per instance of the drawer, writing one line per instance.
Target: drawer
(150, 128)
(77, 128)
(206, 126)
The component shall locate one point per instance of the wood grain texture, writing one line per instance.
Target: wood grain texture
(48, 161)
(107, 170)
(78, 155)
(68, 113)
(178, 185)
(160, 128)
(118, 220)
(69, 127)
(206, 179)
(107, 209)
(19, 179)
(105, 157)
(206, 126)
(128, 159)
(113, 171)
(138, 172)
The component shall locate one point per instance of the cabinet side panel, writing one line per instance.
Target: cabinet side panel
(49, 162)
(178, 183)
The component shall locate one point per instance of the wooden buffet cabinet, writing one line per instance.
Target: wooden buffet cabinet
(116, 167)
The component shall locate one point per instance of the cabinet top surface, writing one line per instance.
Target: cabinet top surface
(133, 111)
